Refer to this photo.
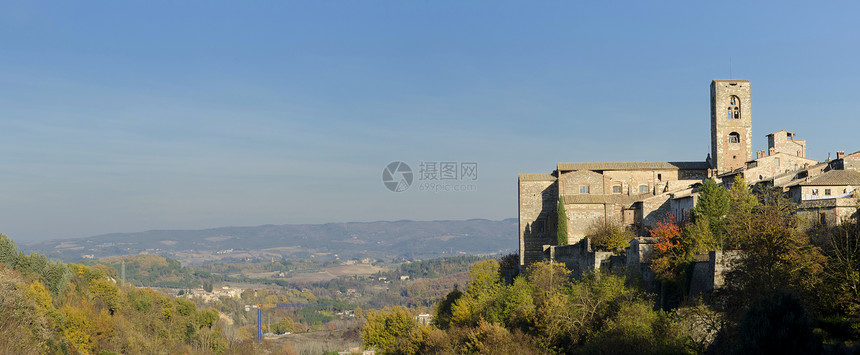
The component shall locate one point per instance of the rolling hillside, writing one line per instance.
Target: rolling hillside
(377, 240)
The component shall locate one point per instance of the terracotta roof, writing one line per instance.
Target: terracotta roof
(670, 165)
(835, 178)
(537, 177)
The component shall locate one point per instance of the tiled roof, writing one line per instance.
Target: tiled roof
(814, 204)
(835, 178)
(670, 165)
(537, 177)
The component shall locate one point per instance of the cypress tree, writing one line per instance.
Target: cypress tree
(561, 233)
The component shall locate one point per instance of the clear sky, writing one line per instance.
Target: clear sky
(121, 116)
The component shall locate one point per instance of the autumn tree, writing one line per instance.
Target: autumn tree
(609, 235)
(668, 254)
(393, 331)
(774, 255)
(479, 300)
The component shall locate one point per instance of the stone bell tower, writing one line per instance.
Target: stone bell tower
(731, 124)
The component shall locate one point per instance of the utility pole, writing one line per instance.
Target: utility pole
(260, 307)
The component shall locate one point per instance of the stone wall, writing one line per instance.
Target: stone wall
(571, 181)
(784, 142)
(655, 209)
(726, 155)
(580, 217)
(851, 162)
(537, 216)
(833, 211)
(579, 258)
(719, 264)
(768, 167)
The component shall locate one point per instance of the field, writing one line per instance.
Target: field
(334, 272)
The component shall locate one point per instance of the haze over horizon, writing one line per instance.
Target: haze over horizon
(124, 117)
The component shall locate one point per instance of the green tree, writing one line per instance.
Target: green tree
(8, 251)
(711, 209)
(739, 218)
(479, 300)
(518, 309)
(774, 255)
(207, 318)
(286, 324)
(546, 278)
(561, 233)
(392, 331)
(444, 309)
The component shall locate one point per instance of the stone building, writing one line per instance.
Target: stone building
(638, 194)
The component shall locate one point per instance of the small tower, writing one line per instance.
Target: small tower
(731, 124)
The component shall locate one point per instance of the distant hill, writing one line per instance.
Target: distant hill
(376, 240)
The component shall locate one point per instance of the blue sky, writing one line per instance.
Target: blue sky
(129, 116)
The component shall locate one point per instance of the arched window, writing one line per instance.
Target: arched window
(734, 109)
(734, 137)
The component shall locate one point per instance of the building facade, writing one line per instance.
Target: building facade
(638, 194)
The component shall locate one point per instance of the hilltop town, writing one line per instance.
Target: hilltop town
(637, 195)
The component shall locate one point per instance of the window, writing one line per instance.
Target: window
(822, 218)
(814, 192)
(643, 189)
(659, 177)
(583, 189)
(616, 189)
(734, 109)
(776, 162)
(826, 192)
(734, 137)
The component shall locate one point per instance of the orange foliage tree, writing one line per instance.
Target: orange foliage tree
(668, 252)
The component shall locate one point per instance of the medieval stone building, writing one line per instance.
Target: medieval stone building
(638, 194)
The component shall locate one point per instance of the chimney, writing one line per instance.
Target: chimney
(770, 151)
(840, 154)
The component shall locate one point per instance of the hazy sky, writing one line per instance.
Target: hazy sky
(120, 116)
